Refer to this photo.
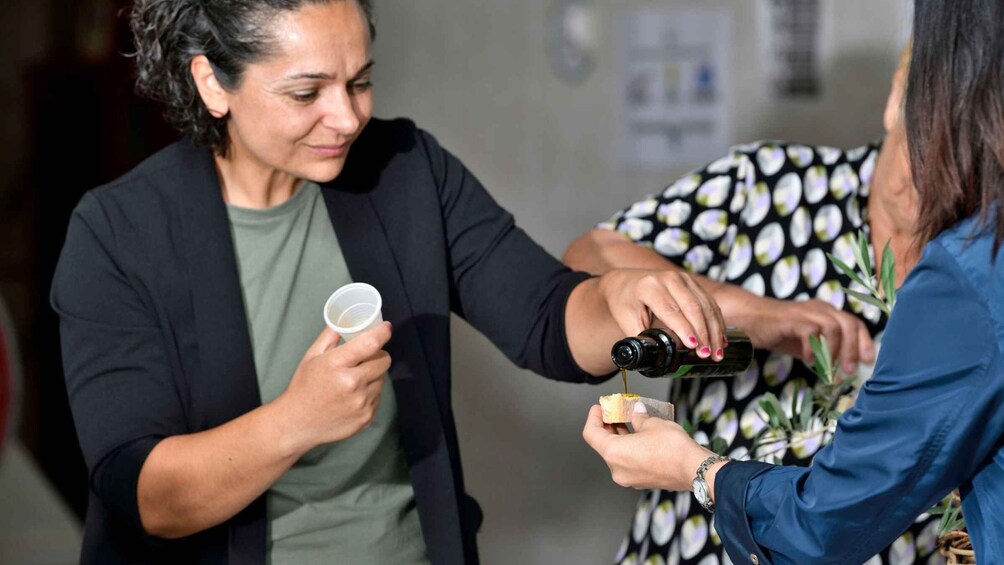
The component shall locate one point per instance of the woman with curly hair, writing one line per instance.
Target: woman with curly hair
(218, 421)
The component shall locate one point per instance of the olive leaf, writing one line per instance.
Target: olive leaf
(772, 407)
(805, 414)
(848, 271)
(823, 365)
(863, 257)
(719, 445)
(951, 515)
(878, 303)
(687, 427)
(888, 278)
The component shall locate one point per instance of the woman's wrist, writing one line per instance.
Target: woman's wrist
(740, 308)
(590, 327)
(693, 459)
(293, 438)
(711, 474)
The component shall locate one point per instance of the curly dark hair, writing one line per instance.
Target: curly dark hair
(230, 33)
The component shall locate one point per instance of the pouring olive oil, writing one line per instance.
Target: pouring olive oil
(660, 353)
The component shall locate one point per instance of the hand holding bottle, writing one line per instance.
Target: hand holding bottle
(641, 299)
(660, 353)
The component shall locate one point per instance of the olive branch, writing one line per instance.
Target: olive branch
(816, 411)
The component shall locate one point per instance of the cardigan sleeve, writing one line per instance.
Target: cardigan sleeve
(502, 282)
(121, 392)
(921, 426)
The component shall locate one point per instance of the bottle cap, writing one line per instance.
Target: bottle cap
(626, 353)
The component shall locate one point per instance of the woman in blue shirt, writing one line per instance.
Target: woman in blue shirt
(928, 420)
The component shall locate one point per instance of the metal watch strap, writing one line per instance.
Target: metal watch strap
(702, 469)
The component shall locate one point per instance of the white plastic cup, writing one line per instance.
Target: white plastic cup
(353, 309)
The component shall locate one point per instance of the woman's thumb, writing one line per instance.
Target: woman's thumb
(640, 415)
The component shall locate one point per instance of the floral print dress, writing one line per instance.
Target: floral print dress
(763, 217)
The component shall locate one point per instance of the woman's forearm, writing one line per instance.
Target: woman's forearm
(196, 481)
(590, 328)
(193, 482)
(599, 251)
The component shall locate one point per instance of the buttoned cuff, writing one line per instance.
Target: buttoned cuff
(731, 522)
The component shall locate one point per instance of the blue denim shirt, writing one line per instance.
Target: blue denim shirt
(930, 419)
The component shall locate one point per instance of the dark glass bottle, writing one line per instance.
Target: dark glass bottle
(659, 353)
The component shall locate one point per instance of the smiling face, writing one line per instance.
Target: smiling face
(298, 110)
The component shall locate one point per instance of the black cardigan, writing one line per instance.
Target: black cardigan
(155, 339)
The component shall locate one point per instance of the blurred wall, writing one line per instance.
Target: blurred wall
(24, 35)
(476, 75)
(70, 122)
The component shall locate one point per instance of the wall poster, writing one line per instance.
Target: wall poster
(674, 90)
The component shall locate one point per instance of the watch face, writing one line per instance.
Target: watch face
(700, 492)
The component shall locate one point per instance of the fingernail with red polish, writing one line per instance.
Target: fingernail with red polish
(693, 340)
(719, 355)
(705, 351)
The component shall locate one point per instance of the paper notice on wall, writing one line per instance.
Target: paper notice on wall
(792, 31)
(674, 71)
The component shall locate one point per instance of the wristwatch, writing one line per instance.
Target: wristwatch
(701, 491)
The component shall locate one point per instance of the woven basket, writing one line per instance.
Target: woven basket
(957, 548)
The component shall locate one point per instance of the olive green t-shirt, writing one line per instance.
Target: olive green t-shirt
(345, 502)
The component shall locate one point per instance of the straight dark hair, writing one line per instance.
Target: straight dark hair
(955, 115)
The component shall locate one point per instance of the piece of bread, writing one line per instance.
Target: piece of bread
(619, 408)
